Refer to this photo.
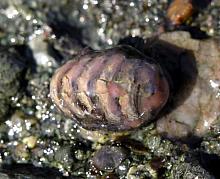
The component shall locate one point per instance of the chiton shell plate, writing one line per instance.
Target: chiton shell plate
(112, 90)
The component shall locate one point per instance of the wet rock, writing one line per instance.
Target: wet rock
(187, 170)
(211, 143)
(16, 15)
(80, 155)
(110, 176)
(210, 163)
(112, 19)
(153, 142)
(65, 47)
(198, 108)
(21, 152)
(21, 125)
(30, 141)
(12, 69)
(4, 109)
(109, 157)
(28, 171)
(141, 172)
(40, 48)
(212, 146)
(208, 20)
(64, 155)
(3, 131)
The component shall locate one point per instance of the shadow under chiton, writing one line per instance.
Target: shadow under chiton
(112, 90)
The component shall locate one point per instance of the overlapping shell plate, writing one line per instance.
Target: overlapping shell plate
(112, 90)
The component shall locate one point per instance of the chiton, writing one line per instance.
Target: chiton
(111, 90)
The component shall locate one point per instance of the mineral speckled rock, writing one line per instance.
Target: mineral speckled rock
(101, 24)
(140, 171)
(12, 69)
(187, 170)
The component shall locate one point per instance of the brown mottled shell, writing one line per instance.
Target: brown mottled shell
(111, 90)
(179, 11)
